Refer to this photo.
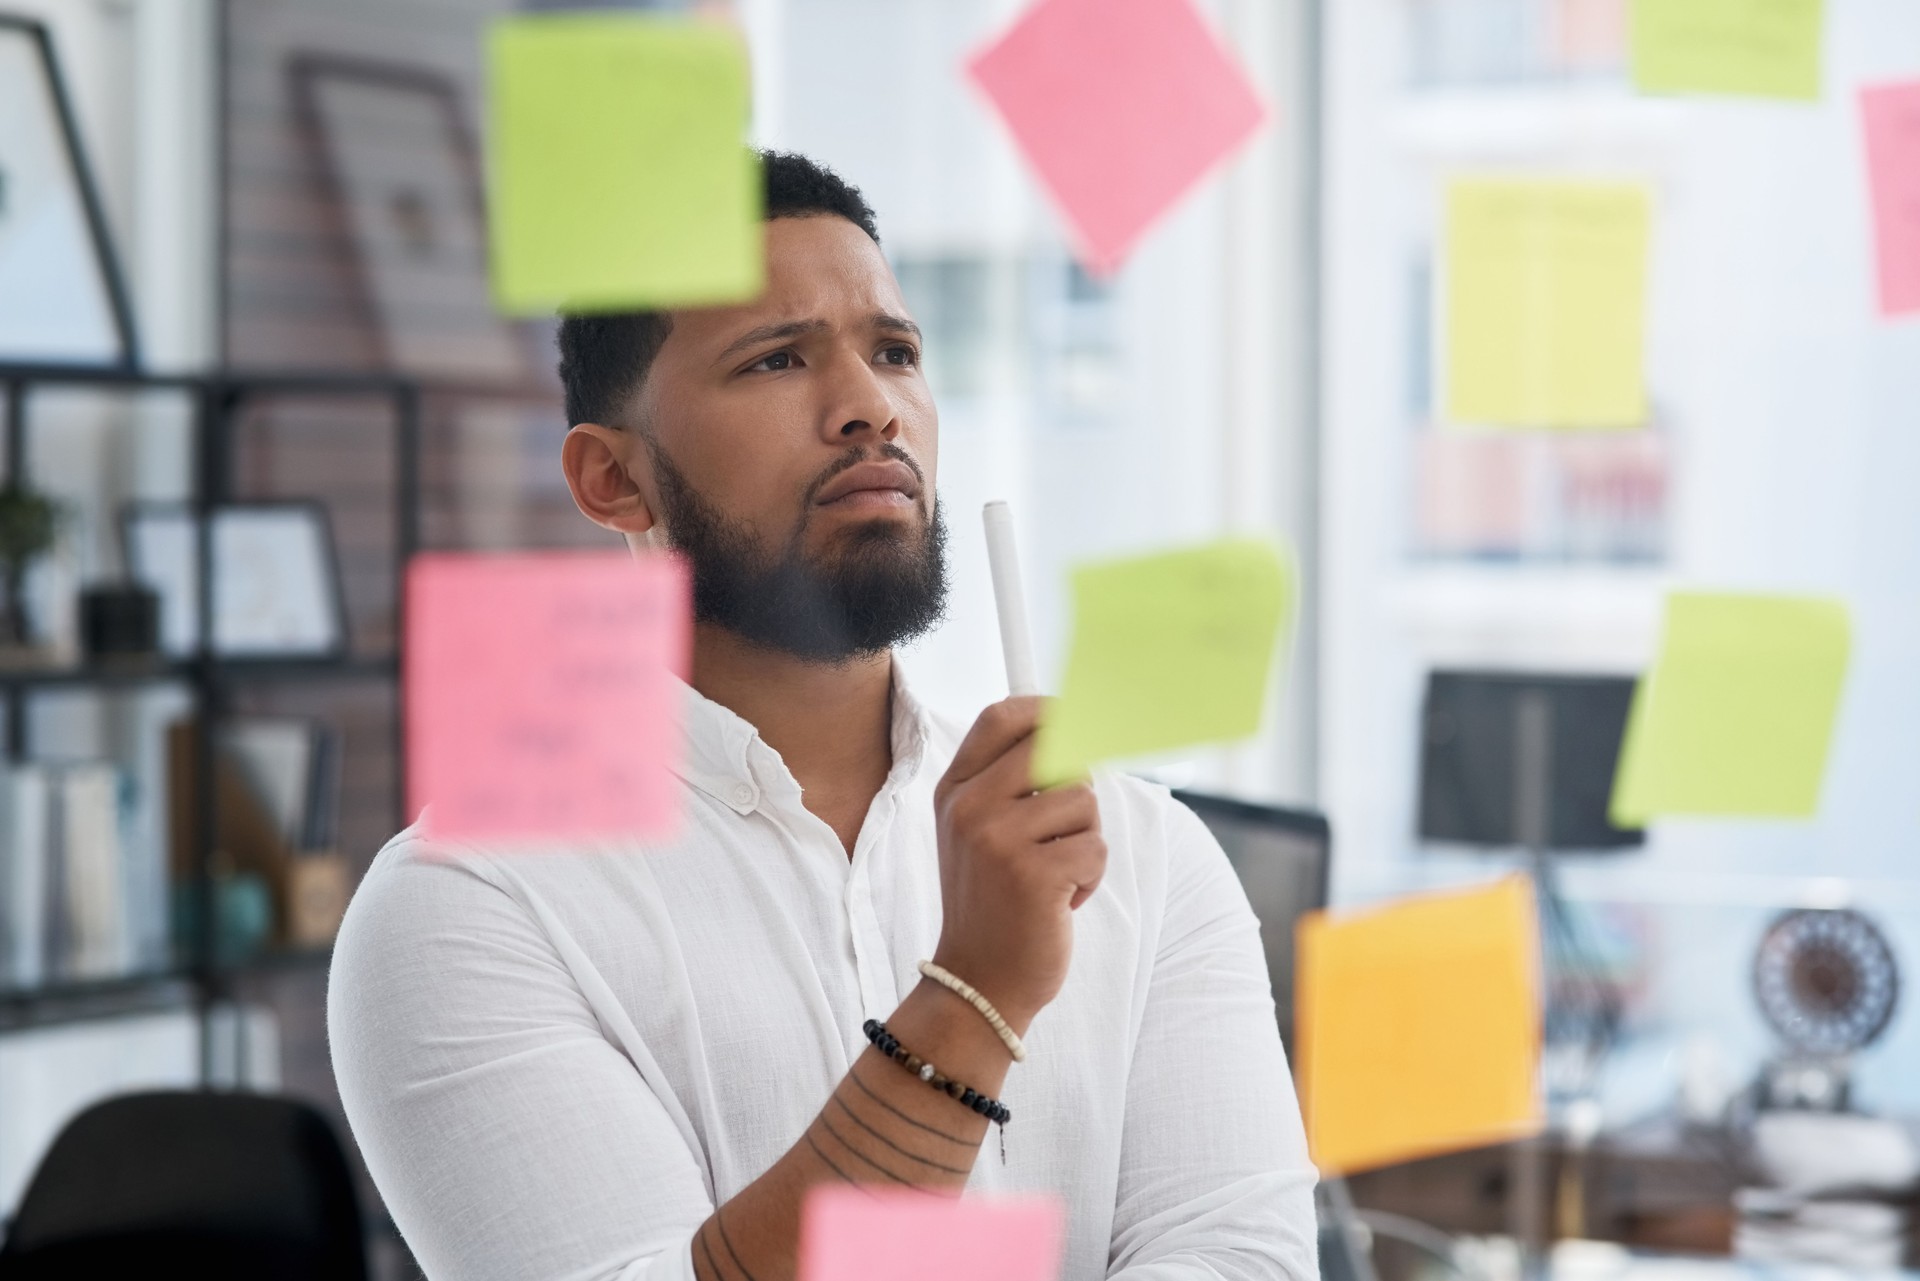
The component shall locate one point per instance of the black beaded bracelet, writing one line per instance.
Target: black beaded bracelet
(965, 1095)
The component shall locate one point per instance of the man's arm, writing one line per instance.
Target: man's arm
(1013, 866)
(1215, 1181)
(509, 1136)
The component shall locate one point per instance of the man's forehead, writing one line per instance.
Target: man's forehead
(819, 267)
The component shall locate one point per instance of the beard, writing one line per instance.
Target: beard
(878, 587)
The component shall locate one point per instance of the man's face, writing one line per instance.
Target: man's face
(789, 450)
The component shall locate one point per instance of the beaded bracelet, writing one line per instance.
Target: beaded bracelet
(967, 992)
(968, 1097)
(965, 1095)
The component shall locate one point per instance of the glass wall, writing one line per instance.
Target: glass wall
(1779, 457)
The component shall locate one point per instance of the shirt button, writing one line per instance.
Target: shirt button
(743, 794)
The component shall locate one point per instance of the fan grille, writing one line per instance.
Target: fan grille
(1826, 980)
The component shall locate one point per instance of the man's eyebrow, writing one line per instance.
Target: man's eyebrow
(769, 333)
(898, 324)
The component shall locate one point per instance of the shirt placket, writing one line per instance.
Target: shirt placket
(873, 964)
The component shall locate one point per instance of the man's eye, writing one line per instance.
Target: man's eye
(777, 361)
(900, 356)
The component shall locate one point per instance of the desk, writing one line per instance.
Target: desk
(1660, 1190)
(1596, 1261)
(1657, 1188)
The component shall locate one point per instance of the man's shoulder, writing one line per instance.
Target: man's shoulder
(411, 855)
(1150, 820)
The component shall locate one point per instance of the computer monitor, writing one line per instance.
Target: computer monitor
(1282, 857)
(1522, 760)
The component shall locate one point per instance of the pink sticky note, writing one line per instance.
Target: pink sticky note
(540, 695)
(850, 1235)
(1120, 106)
(1892, 117)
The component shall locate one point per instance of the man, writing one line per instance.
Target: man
(637, 1060)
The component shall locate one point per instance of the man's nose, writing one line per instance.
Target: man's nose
(860, 405)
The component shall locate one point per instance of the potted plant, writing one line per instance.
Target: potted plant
(29, 520)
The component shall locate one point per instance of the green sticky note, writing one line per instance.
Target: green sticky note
(618, 173)
(1168, 651)
(1545, 303)
(1736, 714)
(1746, 48)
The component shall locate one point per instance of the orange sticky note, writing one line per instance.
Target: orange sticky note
(1120, 106)
(847, 1234)
(1891, 114)
(1419, 1026)
(540, 696)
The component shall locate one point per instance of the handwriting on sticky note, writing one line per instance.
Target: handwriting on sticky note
(1545, 303)
(541, 697)
(1890, 115)
(1168, 651)
(850, 1234)
(619, 176)
(1748, 48)
(1419, 1026)
(1735, 716)
(1120, 106)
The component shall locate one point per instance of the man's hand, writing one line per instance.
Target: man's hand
(1014, 864)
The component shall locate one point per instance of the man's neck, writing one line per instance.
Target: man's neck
(831, 724)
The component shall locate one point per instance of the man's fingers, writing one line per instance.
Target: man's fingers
(996, 730)
(1059, 812)
(1010, 776)
(1083, 858)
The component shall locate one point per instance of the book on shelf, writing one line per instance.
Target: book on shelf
(282, 759)
(24, 868)
(90, 855)
(77, 901)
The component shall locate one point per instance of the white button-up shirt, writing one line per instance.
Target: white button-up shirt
(557, 1062)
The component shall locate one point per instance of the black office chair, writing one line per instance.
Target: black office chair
(211, 1186)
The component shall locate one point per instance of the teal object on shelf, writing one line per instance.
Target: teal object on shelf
(242, 915)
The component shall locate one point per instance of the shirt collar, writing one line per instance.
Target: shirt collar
(725, 757)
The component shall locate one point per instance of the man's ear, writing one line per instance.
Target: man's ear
(595, 459)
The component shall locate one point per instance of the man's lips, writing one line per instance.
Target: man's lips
(876, 484)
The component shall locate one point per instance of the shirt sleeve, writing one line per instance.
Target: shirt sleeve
(508, 1136)
(1215, 1181)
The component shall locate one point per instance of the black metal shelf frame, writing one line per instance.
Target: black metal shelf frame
(217, 400)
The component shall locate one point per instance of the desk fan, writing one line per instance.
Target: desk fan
(1827, 983)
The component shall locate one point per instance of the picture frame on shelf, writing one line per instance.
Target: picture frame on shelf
(63, 300)
(393, 149)
(276, 580)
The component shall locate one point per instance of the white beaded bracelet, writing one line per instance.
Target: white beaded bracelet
(965, 991)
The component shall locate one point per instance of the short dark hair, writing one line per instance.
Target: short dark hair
(604, 358)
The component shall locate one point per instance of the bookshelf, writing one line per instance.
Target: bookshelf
(197, 974)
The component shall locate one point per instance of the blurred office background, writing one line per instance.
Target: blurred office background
(293, 186)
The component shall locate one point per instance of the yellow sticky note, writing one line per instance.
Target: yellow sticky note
(1747, 48)
(1545, 303)
(619, 177)
(1736, 714)
(1419, 1026)
(1168, 651)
